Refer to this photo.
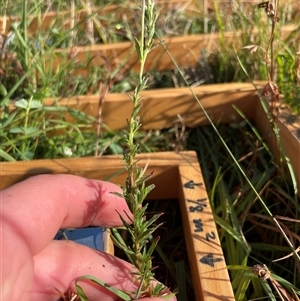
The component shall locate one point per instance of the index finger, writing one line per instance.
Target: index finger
(37, 207)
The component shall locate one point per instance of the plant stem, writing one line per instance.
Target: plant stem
(135, 190)
(270, 46)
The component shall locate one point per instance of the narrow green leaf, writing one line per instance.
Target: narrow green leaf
(7, 121)
(112, 289)
(6, 156)
(3, 91)
(181, 279)
(81, 293)
(243, 285)
(268, 290)
(138, 48)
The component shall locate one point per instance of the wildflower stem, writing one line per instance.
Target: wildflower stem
(135, 190)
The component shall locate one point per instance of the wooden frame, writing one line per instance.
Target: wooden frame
(184, 50)
(161, 108)
(46, 20)
(176, 176)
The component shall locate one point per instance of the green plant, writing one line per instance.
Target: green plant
(139, 252)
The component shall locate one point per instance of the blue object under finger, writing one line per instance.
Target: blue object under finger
(94, 237)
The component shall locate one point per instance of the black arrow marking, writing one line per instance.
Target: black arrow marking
(191, 185)
(210, 260)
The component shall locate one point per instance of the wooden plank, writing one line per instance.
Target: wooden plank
(62, 19)
(185, 51)
(289, 132)
(160, 108)
(207, 264)
(176, 176)
(164, 165)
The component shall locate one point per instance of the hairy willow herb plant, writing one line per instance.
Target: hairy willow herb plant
(135, 190)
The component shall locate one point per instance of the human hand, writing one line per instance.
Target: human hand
(36, 267)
